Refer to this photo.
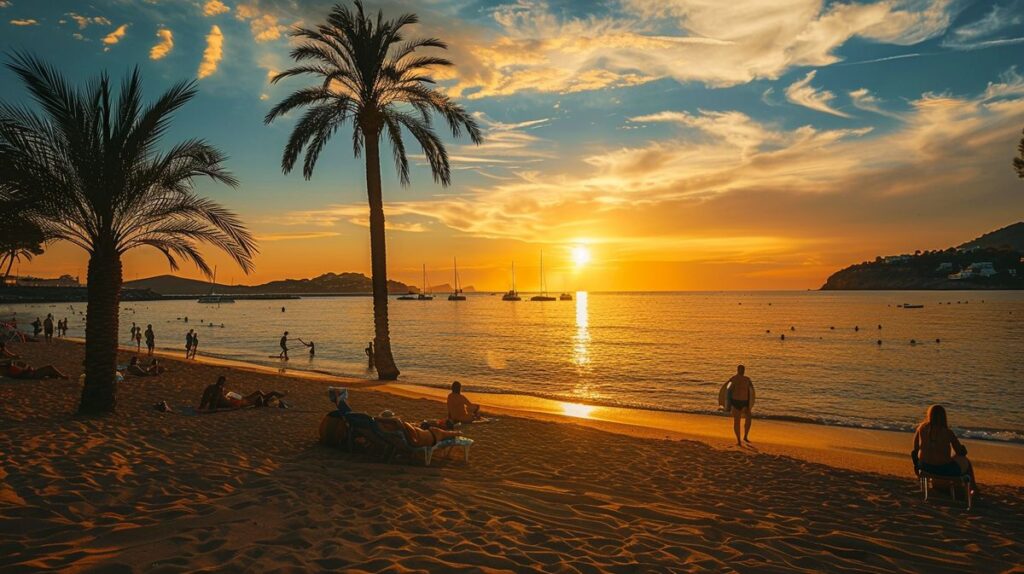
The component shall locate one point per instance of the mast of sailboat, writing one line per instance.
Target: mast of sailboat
(543, 288)
(513, 276)
(424, 278)
(455, 264)
(213, 284)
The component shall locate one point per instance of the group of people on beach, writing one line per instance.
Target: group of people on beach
(136, 335)
(47, 327)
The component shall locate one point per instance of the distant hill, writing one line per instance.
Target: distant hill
(326, 283)
(928, 270)
(1009, 237)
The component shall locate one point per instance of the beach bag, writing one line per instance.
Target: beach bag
(333, 430)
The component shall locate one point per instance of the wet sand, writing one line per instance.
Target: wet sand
(252, 490)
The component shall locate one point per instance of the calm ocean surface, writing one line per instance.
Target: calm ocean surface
(668, 351)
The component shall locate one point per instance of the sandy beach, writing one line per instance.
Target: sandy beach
(252, 490)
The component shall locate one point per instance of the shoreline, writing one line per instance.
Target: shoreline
(854, 448)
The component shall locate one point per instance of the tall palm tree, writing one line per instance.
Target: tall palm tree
(367, 72)
(90, 170)
(1018, 162)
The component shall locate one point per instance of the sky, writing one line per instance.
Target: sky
(680, 144)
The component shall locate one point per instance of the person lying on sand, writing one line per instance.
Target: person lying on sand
(937, 450)
(134, 368)
(217, 397)
(460, 409)
(422, 435)
(23, 370)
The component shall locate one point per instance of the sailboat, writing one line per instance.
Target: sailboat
(543, 287)
(424, 296)
(512, 294)
(565, 296)
(213, 297)
(457, 294)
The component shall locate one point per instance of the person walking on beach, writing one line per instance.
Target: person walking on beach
(48, 328)
(284, 346)
(150, 339)
(195, 344)
(131, 336)
(138, 339)
(741, 390)
(37, 327)
(189, 339)
(369, 355)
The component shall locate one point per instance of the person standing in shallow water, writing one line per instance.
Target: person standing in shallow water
(740, 391)
(284, 346)
(150, 339)
(189, 339)
(369, 355)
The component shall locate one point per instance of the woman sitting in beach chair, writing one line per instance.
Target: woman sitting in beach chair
(23, 370)
(938, 453)
(416, 436)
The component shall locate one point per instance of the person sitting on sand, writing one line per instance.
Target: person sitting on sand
(421, 435)
(22, 370)
(155, 367)
(937, 451)
(216, 397)
(460, 409)
(740, 388)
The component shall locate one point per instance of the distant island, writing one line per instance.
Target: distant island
(993, 261)
(328, 283)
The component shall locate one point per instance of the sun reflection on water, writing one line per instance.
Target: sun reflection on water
(577, 410)
(581, 341)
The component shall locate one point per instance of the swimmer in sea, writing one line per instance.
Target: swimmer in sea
(312, 347)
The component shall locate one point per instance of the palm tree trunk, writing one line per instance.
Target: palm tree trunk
(385, 362)
(101, 316)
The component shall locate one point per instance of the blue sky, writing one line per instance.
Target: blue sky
(687, 143)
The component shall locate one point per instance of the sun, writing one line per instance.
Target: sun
(580, 255)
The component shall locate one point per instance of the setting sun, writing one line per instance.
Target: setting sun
(580, 255)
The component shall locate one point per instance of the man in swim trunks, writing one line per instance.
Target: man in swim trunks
(22, 370)
(739, 397)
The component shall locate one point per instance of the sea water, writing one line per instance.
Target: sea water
(666, 351)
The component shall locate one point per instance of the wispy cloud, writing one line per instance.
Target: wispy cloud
(85, 21)
(539, 49)
(865, 100)
(213, 53)
(25, 22)
(295, 236)
(987, 31)
(114, 37)
(264, 25)
(164, 46)
(214, 7)
(5, 4)
(802, 93)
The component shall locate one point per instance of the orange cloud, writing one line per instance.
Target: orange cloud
(164, 46)
(115, 36)
(25, 22)
(214, 7)
(213, 53)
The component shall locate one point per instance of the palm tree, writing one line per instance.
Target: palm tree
(89, 170)
(367, 73)
(20, 240)
(1018, 162)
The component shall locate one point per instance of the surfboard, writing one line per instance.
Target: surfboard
(725, 400)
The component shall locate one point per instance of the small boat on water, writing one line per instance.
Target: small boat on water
(911, 306)
(410, 296)
(213, 298)
(457, 294)
(512, 294)
(425, 293)
(565, 297)
(543, 288)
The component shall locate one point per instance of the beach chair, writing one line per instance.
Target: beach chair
(400, 445)
(930, 481)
